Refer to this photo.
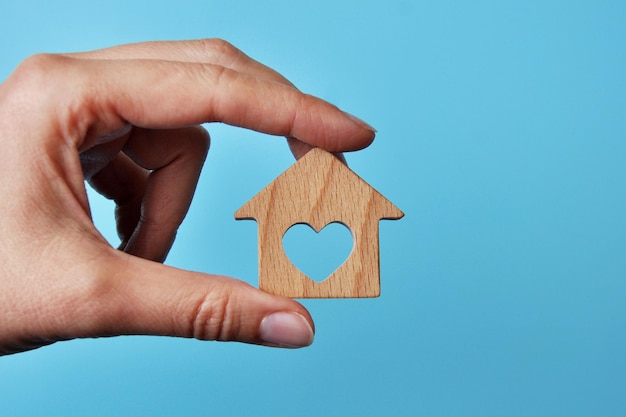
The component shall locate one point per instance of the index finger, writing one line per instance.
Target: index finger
(167, 94)
(209, 51)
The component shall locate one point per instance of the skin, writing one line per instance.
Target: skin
(126, 119)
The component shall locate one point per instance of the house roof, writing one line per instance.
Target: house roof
(318, 189)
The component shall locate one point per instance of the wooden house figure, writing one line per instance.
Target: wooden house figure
(318, 190)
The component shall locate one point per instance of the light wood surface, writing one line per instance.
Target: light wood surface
(319, 190)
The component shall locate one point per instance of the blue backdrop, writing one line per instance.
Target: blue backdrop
(502, 130)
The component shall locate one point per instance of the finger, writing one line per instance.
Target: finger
(149, 298)
(108, 140)
(174, 159)
(124, 182)
(214, 51)
(152, 187)
(190, 94)
(208, 51)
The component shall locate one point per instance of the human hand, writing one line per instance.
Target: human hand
(127, 120)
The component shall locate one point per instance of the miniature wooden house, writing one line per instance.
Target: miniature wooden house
(318, 190)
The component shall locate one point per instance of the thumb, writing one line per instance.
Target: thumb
(154, 299)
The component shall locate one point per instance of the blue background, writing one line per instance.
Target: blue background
(502, 130)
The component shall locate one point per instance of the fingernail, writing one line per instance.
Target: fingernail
(360, 122)
(286, 330)
(118, 133)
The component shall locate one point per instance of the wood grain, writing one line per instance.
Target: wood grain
(319, 190)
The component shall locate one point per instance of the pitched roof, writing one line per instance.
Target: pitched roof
(318, 189)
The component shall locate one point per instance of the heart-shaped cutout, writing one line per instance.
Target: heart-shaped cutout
(318, 255)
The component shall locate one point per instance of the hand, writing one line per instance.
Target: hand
(127, 120)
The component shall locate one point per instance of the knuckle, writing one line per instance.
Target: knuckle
(220, 51)
(218, 315)
(209, 321)
(220, 46)
(44, 82)
(200, 140)
(40, 70)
